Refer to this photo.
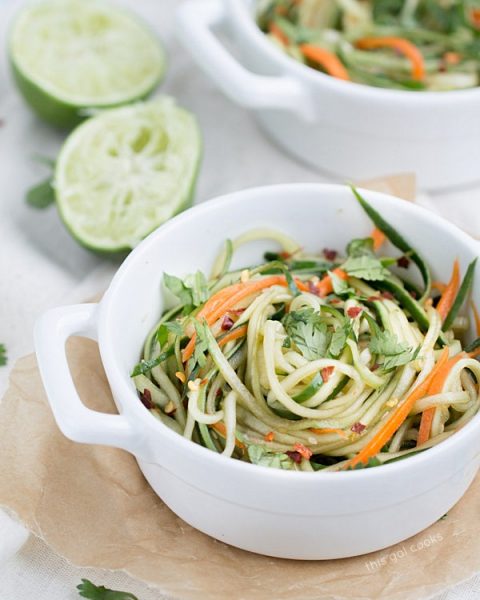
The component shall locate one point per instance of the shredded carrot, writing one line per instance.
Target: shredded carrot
(448, 297)
(439, 285)
(221, 429)
(234, 334)
(325, 285)
(225, 299)
(305, 452)
(435, 387)
(398, 416)
(477, 318)
(275, 30)
(378, 238)
(269, 437)
(401, 45)
(325, 430)
(326, 59)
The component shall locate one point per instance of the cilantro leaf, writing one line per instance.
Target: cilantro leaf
(386, 344)
(87, 589)
(360, 247)
(3, 355)
(192, 291)
(41, 195)
(259, 455)
(339, 339)
(309, 332)
(365, 267)
(165, 329)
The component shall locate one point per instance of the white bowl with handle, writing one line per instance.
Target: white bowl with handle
(350, 130)
(279, 513)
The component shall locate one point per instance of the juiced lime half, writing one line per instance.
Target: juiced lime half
(124, 172)
(69, 56)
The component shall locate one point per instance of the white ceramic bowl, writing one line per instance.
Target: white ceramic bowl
(278, 513)
(350, 130)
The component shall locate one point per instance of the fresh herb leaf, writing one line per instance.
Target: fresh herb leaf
(87, 589)
(165, 329)
(145, 366)
(191, 292)
(386, 344)
(365, 267)
(259, 455)
(41, 195)
(339, 339)
(309, 332)
(3, 355)
(361, 247)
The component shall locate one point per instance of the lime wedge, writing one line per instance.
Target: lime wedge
(124, 172)
(69, 56)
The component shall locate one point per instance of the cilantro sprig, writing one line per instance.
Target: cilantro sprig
(87, 589)
(309, 331)
(386, 344)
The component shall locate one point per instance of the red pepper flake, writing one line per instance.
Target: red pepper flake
(269, 436)
(413, 294)
(326, 373)
(403, 262)
(354, 311)
(374, 299)
(312, 288)
(388, 295)
(358, 427)
(305, 452)
(295, 456)
(330, 254)
(375, 367)
(146, 398)
(285, 255)
(336, 301)
(227, 323)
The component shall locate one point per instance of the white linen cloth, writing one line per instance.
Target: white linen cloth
(41, 266)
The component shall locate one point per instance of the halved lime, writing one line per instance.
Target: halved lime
(69, 56)
(124, 172)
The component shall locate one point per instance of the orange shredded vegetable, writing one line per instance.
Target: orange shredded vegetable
(398, 416)
(220, 428)
(401, 45)
(436, 387)
(378, 238)
(448, 297)
(326, 59)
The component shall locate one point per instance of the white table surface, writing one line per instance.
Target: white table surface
(41, 266)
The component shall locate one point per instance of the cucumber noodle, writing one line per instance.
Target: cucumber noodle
(399, 44)
(298, 362)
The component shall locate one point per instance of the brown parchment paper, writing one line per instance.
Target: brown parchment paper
(92, 505)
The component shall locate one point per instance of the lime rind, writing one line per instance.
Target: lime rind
(69, 56)
(124, 172)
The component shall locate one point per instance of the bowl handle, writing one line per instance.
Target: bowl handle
(75, 420)
(195, 21)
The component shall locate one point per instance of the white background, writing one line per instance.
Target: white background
(41, 266)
